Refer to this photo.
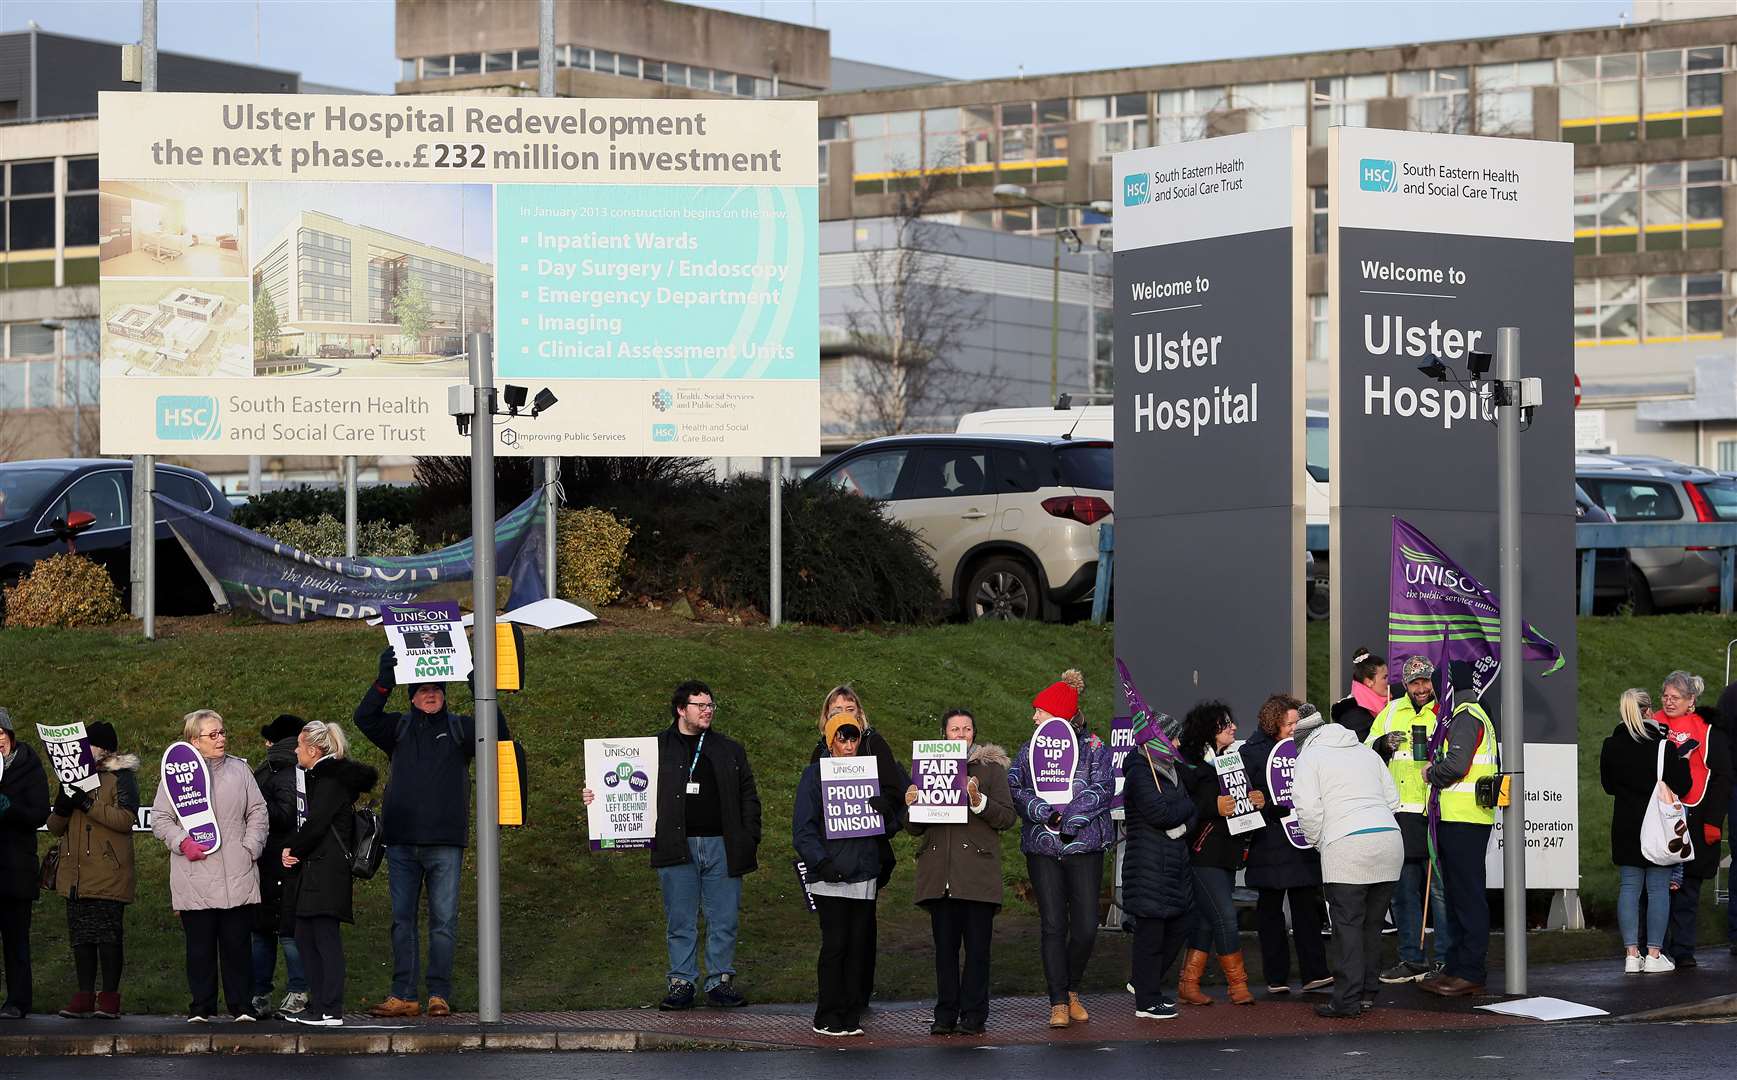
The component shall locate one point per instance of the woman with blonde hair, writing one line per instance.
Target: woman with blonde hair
(1630, 769)
(317, 892)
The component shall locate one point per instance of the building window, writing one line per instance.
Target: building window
(1683, 93)
(959, 142)
(81, 201)
(1318, 327)
(502, 61)
(1122, 124)
(1186, 115)
(29, 205)
(1606, 311)
(436, 67)
(1683, 204)
(1439, 100)
(1727, 455)
(1683, 307)
(1600, 98)
(467, 64)
(1505, 95)
(1343, 102)
(1606, 210)
(407, 70)
(886, 144)
(1103, 352)
(1318, 221)
(579, 56)
(1272, 104)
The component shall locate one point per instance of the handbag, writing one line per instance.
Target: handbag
(1665, 839)
(51, 867)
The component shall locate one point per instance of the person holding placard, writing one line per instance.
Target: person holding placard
(23, 809)
(959, 879)
(1279, 869)
(1215, 855)
(95, 871)
(834, 835)
(1635, 760)
(1157, 886)
(1062, 781)
(213, 887)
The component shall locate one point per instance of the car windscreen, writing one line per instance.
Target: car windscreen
(1088, 465)
(1722, 496)
(22, 487)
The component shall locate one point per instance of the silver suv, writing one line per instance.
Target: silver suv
(1646, 489)
(1012, 519)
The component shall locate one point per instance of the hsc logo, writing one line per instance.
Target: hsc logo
(1374, 174)
(187, 416)
(663, 433)
(1136, 189)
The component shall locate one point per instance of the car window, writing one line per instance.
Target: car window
(1722, 494)
(22, 488)
(873, 476)
(1015, 469)
(102, 494)
(1637, 500)
(184, 490)
(944, 472)
(1088, 465)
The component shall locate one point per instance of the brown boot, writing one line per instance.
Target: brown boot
(1076, 1011)
(1058, 1016)
(1237, 977)
(1188, 986)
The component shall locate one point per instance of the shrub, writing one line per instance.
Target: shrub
(590, 548)
(324, 536)
(64, 590)
(382, 502)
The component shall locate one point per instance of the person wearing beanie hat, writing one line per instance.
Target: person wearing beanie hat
(286, 726)
(425, 827)
(96, 873)
(23, 809)
(1278, 870)
(1157, 888)
(284, 787)
(1064, 847)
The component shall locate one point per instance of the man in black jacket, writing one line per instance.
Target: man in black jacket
(708, 829)
(23, 810)
(279, 782)
(426, 824)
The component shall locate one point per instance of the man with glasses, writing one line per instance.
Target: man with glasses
(708, 829)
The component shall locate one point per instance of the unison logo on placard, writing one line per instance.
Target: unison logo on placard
(1136, 188)
(1374, 174)
(187, 416)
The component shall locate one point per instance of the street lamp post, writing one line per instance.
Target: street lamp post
(1061, 235)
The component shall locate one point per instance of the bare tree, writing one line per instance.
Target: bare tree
(911, 313)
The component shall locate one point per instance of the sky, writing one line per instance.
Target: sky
(349, 43)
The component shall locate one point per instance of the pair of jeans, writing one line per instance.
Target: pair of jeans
(846, 939)
(265, 964)
(1156, 943)
(410, 868)
(219, 945)
(1408, 914)
(15, 951)
(1305, 927)
(1356, 912)
(702, 884)
(1685, 905)
(969, 924)
(1214, 929)
(1655, 883)
(1460, 846)
(1066, 887)
(322, 946)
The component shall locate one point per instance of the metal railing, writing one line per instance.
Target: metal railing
(1591, 537)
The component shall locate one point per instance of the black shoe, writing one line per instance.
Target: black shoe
(1368, 1003)
(1734, 950)
(943, 1026)
(725, 995)
(970, 1027)
(11, 1012)
(1160, 1010)
(680, 996)
(1687, 960)
(1328, 1012)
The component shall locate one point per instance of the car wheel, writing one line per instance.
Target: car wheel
(1320, 602)
(1003, 589)
(1640, 595)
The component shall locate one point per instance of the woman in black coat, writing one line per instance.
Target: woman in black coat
(23, 810)
(1278, 869)
(317, 894)
(1214, 855)
(1157, 885)
(1629, 769)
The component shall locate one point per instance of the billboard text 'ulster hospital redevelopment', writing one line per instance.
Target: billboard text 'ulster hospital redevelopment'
(301, 276)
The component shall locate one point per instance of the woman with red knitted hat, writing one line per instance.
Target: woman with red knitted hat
(1064, 840)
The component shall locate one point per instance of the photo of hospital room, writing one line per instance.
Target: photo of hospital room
(173, 228)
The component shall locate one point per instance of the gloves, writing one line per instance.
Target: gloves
(191, 849)
(5, 803)
(826, 871)
(881, 805)
(1711, 832)
(388, 661)
(64, 804)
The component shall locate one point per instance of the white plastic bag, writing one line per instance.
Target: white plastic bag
(1664, 838)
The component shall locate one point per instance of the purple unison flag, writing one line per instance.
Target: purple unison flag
(846, 786)
(1437, 610)
(1053, 755)
(1281, 766)
(190, 794)
(1140, 710)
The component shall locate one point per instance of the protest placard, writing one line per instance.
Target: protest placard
(1121, 741)
(189, 782)
(938, 771)
(622, 774)
(1233, 781)
(1281, 769)
(69, 753)
(1053, 756)
(428, 642)
(846, 786)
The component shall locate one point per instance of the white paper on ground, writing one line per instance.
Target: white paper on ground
(1544, 1008)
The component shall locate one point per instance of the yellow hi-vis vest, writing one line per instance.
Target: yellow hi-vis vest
(1459, 802)
(1400, 716)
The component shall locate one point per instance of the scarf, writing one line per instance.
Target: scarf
(1367, 698)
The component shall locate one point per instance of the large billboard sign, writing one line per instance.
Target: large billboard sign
(1436, 242)
(300, 275)
(1210, 333)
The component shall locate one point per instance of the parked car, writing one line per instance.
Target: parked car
(1610, 566)
(1649, 489)
(35, 494)
(1012, 520)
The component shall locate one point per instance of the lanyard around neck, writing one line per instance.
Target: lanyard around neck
(695, 763)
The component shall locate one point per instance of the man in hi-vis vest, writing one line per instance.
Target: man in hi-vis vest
(1467, 754)
(1400, 734)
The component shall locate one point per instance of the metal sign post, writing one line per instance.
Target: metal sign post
(482, 531)
(1513, 656)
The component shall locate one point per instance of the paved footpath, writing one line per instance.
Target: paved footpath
(1708, 990)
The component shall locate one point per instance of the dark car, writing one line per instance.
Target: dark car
(34, 494)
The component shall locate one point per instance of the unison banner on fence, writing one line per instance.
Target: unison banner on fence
(1437, 241)
(299, 275)
(1209, 351)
